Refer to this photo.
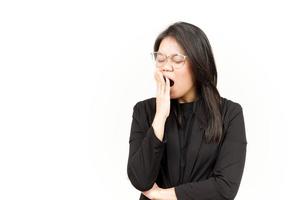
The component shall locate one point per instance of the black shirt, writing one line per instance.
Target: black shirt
(186, 112)
(206, 171)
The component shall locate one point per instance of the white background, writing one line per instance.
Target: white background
(71, 72)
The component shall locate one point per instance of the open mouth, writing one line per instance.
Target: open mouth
(171, 81)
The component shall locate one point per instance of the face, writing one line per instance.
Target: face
(183, 88)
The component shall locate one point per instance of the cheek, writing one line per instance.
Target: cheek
(185, 79)
(183, 83)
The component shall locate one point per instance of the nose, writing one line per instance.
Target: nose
(167, 66)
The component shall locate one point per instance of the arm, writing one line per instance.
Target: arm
(146, 149)
(158, 193)
(226, 176)
(146, 146)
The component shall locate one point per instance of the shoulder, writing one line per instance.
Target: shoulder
(229, 108)
(145, 109)
(233, 120)
(148, 103)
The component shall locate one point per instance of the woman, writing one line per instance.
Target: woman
(188, 142)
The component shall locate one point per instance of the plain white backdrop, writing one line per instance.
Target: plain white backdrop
(71, 72)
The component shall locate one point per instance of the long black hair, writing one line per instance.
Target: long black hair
(198, 50)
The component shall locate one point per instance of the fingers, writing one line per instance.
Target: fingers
(162, 85)
(159, 83)
(167, 87)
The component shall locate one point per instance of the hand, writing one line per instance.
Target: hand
(157, 193)
(153, 193)
(162, 95)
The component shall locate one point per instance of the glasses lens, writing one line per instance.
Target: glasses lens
(159, 59)
(178, 60)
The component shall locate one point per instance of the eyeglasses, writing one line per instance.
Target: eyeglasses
(161, 59)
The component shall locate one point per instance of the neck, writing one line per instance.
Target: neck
(189, 96)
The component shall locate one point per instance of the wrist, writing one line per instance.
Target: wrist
(168, 194)
(158, 125)
(160, 117)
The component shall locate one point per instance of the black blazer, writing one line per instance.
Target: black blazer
(213, 171)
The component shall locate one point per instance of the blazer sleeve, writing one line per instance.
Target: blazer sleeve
(145, 151)
(227, 173)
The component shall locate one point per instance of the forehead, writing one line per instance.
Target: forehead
(170, 46)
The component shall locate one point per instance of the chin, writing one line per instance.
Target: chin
(174, 96)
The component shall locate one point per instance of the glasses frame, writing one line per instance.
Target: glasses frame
(167, 58)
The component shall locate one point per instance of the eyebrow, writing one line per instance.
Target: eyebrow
(171, 54)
